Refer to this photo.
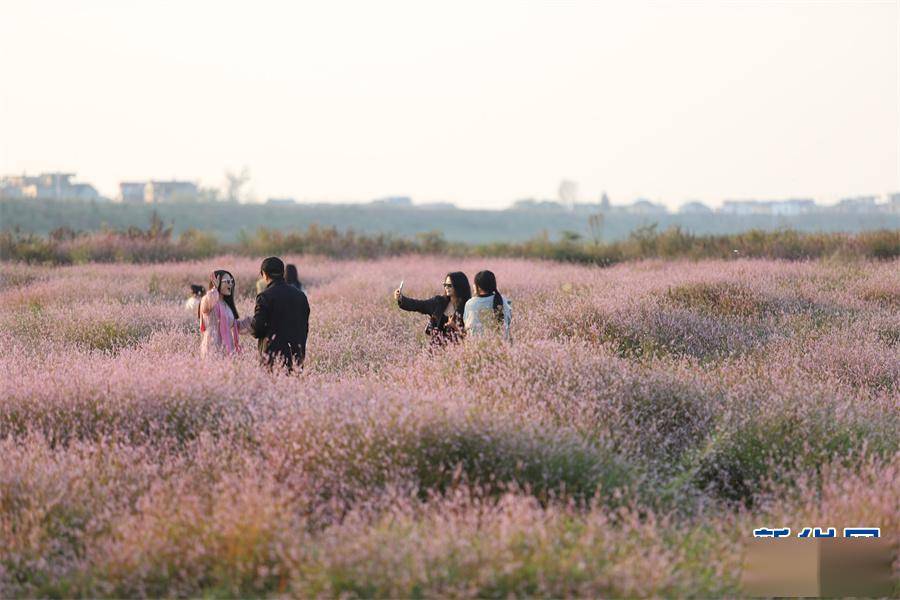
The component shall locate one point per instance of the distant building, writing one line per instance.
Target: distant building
(132, 192)
(794, 206)
(393, 201)
(281, 202)
(694, 208)
(893, 203)
(858, 204)
(54, 186)
(11, 189)
(642, 206)
(170, 191)
(157, 191)
(438, 206)
(743, 207)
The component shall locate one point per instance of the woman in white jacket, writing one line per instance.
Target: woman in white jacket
(487, 312)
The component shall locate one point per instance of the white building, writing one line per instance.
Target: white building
(157, 191)
(132, 192)
(893, 203)
(169, 191)
(50, 186)
(858, 204)
(793, 206)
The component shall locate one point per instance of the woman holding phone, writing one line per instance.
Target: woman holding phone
(445, 311)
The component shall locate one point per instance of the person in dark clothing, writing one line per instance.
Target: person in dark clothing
(445, 311)
(281, 319)
(290, 276)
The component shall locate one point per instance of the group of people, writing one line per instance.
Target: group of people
(457, 314)
(280, 320)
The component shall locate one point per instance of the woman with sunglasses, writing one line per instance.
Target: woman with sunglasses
(220, 324)
(445, 312)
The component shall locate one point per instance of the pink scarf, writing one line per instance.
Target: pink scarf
(223, 327)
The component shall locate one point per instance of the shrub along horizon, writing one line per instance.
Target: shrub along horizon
(157, 244)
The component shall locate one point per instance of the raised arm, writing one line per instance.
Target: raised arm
(426, 307)
(209, 301)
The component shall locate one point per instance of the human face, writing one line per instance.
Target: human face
(226, 287)
(448, 289)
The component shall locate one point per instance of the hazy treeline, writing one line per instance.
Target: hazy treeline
(158, 243)
(227, 220)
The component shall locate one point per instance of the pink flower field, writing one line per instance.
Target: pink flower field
(644, 420)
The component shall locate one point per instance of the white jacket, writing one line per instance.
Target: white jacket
(479, 317)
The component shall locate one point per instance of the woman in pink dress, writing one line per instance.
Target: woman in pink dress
(220, 324)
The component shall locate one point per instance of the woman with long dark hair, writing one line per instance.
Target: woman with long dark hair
(445, 311)
(220, 323)
(291, 278)
(488, 311)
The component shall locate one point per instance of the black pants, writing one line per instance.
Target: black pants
(289, 359)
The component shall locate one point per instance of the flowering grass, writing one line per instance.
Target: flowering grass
(644, 420)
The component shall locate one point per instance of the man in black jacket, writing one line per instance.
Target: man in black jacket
(281, 319)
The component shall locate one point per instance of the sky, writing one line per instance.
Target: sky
(477, 103)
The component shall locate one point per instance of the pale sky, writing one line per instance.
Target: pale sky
(476, 103)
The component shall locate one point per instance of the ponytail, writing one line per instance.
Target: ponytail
(498, 307)
(487, 282)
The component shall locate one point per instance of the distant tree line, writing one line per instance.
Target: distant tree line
(158, 243)
(229, 221)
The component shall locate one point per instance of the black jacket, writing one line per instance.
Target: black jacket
(281, 324)
(438, 324)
